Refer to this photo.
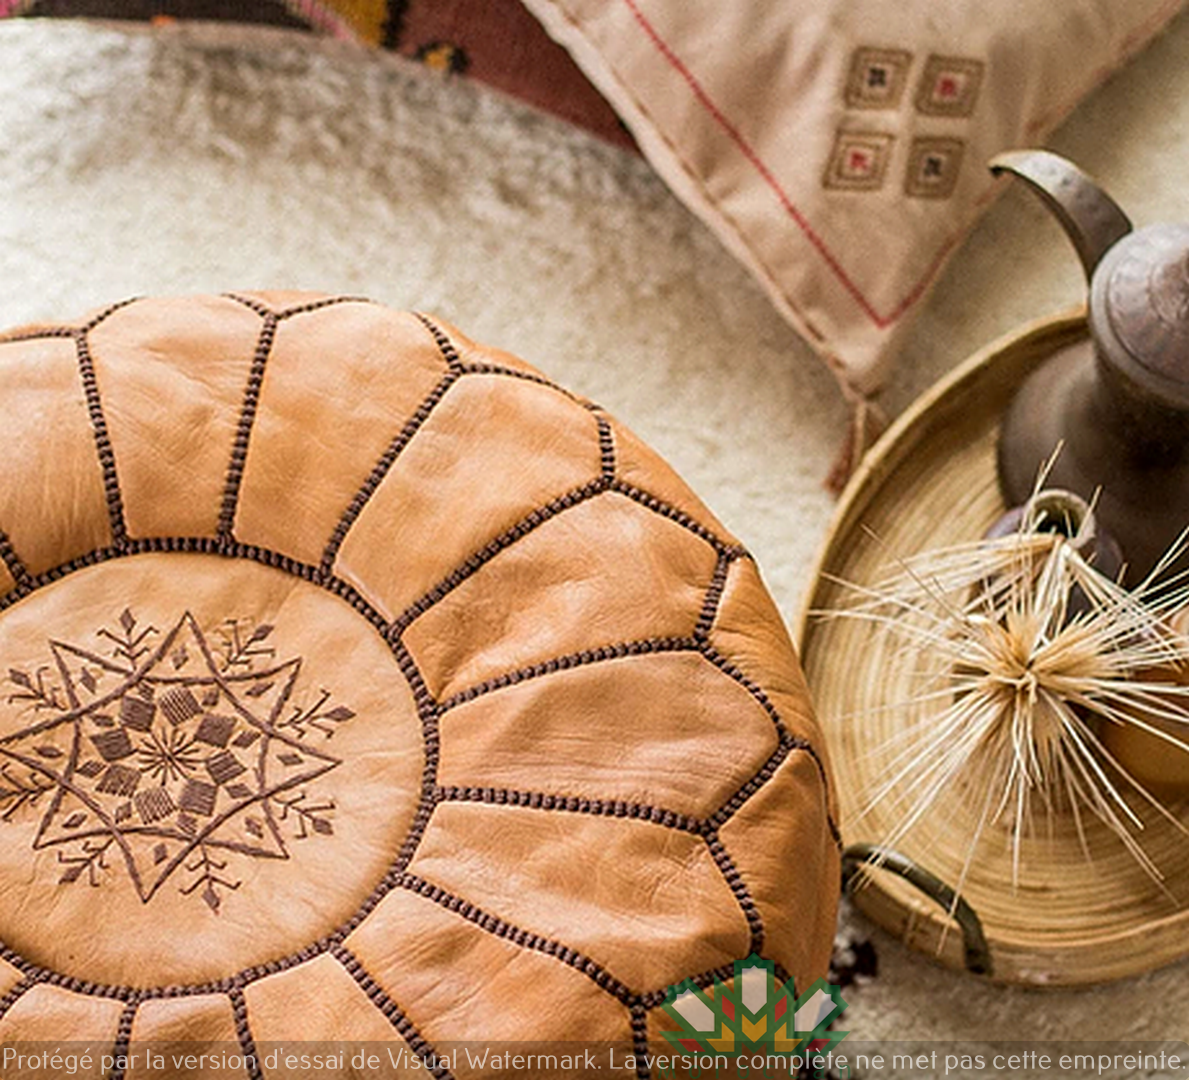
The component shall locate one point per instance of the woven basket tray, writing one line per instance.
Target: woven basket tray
(931, 482)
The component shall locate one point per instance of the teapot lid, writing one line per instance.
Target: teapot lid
(1146, 301)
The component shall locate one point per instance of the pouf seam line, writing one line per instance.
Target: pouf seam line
(391, 1011)
(243, 430)
(381, 469)
(103, 447)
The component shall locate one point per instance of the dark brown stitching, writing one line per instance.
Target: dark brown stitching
(572, 804)
(12, 560)
(392, 878)
(659, 506)
(781, 975)
(16, 993)
(730, 872)
(203, 545)
(111, 309)
(606, 448)
(426, 706)
(123, 1039)
(212, 546)
(640, 1042)
(443, 342)
(391, 1012)
(735, 803)
(490, 550)
(396, 876)
(564, 663)
(713, 596)
(376, 476)
(107, 457)
(243, 431)
(724, 972)
(480, 368)
(318, 305)
(38, 333)
(243, 1031)
(431, 739)
(524, 938)
(425, 811)
(727, 668)
(263, 310)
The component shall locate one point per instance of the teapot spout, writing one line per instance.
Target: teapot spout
(1089, 216)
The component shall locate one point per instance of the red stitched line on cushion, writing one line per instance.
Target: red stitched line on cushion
(730, 872)
(766, 175)
(753, 157)
(243, 1031)
(107, 457)
(243, 431)
(123, 1039)
(391, 1011)
(394, 449)
(526, 939)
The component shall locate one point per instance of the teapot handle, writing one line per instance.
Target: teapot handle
(1091, 219)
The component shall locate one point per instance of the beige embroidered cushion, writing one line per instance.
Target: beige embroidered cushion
(362, 684)
(839, 147)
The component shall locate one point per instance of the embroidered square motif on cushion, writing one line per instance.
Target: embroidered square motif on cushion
(859, 161)
(949, 86)
(933, 166)
(877, 78)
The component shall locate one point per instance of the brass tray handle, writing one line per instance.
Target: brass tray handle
(974, 942)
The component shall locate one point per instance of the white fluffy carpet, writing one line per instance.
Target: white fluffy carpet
(206, 159)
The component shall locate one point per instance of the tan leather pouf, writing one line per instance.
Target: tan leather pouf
(362, 684)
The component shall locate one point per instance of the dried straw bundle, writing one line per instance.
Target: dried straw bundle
(1039, 650)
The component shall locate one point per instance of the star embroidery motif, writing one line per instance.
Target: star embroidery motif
(162, 755)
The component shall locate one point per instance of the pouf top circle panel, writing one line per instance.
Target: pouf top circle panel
(361, 682)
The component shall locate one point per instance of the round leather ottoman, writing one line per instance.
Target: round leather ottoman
(362, 684)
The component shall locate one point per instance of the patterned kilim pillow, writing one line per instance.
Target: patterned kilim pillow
(363, 684)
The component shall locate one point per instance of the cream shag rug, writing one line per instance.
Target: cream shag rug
(202, 158)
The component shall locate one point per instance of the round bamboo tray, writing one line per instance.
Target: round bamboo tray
(929, 482)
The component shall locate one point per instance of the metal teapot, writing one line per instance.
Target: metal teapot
(1119, 403)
